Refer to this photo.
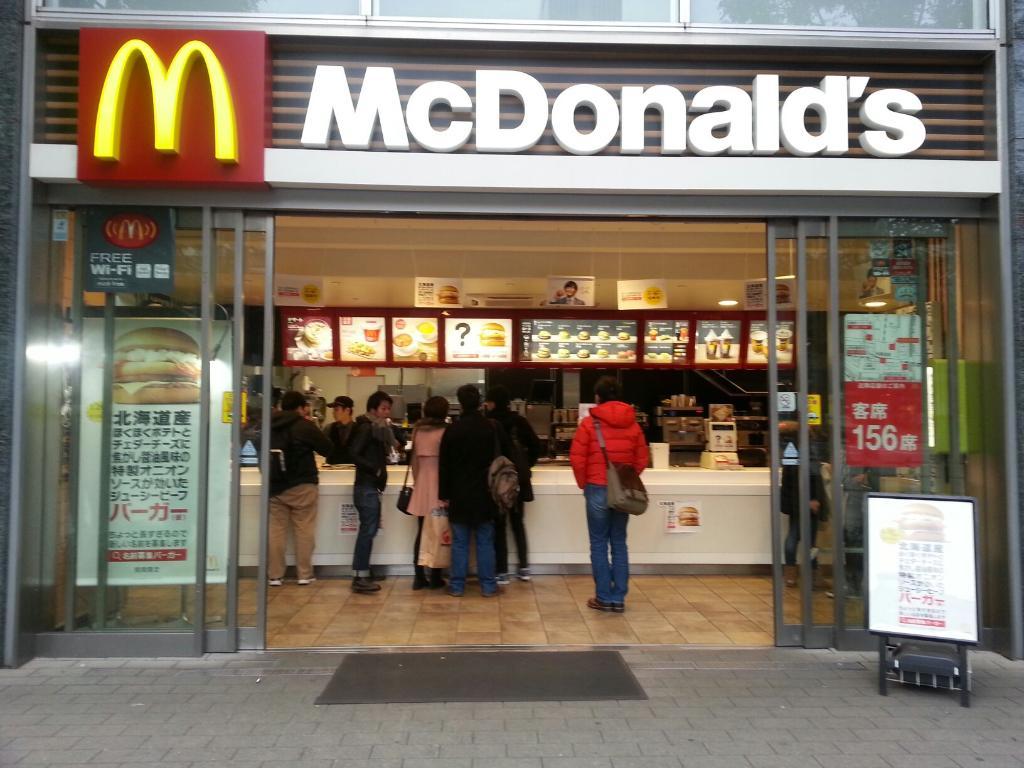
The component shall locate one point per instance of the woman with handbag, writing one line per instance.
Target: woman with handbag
(609, 435)
(426, 451)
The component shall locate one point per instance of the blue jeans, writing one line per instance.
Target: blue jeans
(367, 501)
(607, 528)
(484, 557)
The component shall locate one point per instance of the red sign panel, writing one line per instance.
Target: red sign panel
(172, 107)
(883, 424)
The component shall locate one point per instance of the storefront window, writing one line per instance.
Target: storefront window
(898, 14)
(291, 7)
(554, 10)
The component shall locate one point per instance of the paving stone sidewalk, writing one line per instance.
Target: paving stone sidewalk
(708, 708)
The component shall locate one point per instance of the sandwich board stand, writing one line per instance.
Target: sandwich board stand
(922, 592)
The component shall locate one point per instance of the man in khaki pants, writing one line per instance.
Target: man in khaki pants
(294, 496)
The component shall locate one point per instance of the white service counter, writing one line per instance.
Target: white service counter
(735, 520)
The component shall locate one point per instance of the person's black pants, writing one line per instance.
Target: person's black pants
(515, 518)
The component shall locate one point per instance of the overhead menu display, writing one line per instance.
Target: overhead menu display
(477, 340)
(362, 339)
(666, 341)
(579, 341)
(758, 346)
(309, 338)
(718, 342)
(414, 339)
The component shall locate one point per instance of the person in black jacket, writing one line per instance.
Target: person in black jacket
(339, 431)
(294, 496)
(526, 449)
(789, 503)
(467, 450)
(371, 442)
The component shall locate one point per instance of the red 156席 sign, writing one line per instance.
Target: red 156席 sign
(883, 424)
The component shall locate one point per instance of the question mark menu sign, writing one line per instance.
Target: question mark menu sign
(477, 340)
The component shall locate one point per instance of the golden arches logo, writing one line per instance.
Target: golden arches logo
(168, 87)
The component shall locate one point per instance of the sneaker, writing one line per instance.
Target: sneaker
(364, 585)
(503, 580)
(274, 582)
(306, 582)
(523, 574)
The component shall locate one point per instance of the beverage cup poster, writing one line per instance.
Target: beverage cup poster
(758, 346)
(414, 339)
(363, 339)
(717, 342)
(477, 340)
(569, 291)
(665, 341)
(680, 516)
(152, 503)
(921, 567)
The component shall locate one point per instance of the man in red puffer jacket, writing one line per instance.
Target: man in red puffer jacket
(625, 444)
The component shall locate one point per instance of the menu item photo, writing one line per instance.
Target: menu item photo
(758, 347)
(156, 365)
(473, 339)
(717, 342)
(438, 292)
(414, 339)
(310, 339)
(362, 339)
(666, 341)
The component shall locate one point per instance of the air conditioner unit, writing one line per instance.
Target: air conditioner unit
(501, 300)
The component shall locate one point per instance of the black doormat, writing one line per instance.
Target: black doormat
(383, 678)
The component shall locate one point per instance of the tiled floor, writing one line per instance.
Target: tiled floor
(706, 610)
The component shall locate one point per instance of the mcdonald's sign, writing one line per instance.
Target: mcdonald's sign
(172, 107)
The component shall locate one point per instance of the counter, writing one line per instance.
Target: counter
(735, 515)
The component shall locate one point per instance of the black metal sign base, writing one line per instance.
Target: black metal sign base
(931, 664)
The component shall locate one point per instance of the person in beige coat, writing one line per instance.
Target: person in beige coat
(426, 450)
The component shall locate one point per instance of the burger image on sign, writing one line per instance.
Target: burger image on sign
(156, 366)
(922, 522)
(492, 335)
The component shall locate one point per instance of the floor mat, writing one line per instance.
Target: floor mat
(381, 678)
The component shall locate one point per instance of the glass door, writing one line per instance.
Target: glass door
(800, 348)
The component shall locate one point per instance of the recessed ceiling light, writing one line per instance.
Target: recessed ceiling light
(728, 303)
(875, 304)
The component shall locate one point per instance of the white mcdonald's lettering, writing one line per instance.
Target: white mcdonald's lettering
(723, 120)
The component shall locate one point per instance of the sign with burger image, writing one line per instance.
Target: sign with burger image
(156, 365)
(477, 340)
(681, 516)
(445, 292)
(922, 567)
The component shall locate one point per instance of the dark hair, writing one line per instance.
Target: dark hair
(436, 407)
(373, 401)
(499, 395)
(570, 284)
(469, 397)
(292, 401)
(607, 389)
(342, 401)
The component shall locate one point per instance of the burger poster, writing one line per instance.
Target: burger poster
(477, 340)
(444, 292)
(150, 496)
(680, 516)
(921, 567)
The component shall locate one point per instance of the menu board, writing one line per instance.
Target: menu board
(362, 339)
(579, 341)
(921, 567)
(717, 342)
(665, 341)
(757, 342)
(309, 338)
(477, 340)
(414, 339)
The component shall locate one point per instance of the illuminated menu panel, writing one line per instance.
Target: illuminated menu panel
(758, 346)
(579, 341)
(414, 339)
(665, 341)
(477, 340)
(717, 342)
(362, 339)
(309, 338)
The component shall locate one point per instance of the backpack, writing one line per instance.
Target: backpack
(502, 478)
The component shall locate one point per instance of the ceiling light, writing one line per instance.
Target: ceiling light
(728, 303)
(875, 304)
